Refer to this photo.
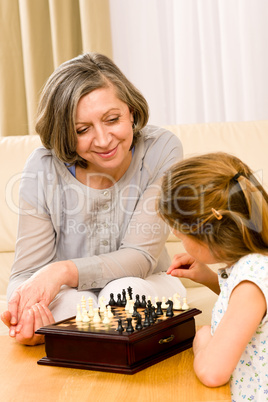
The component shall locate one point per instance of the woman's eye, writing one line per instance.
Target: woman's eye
(113, 120)
(81, 130)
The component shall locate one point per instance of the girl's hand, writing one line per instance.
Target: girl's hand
(185, 266)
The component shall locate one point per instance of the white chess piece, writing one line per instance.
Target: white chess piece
(78, 317)
(127, 303)
(131, 306)
(90, 307)
(185, 305)
(96, 317)
(102, 304)
(109, 312)
(85, 317)
(106, 319)
(156, 299)
(177, 303)
(163, 305)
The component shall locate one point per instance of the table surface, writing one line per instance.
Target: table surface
(22, 379)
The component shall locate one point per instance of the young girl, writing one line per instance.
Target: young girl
(218, 209)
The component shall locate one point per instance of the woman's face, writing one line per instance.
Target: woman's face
(104, 132)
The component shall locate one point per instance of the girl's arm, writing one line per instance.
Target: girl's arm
(217, 356)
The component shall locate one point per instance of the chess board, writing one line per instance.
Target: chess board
(98, 346)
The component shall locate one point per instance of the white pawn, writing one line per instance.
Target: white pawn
(185, 305)
(78, 317)
(85, 317)
(96, 317)
(106, 319)
(109, 312)
(156, 299)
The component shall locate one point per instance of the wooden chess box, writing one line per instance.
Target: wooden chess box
(101, 347)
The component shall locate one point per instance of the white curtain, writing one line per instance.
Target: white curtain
(195, 60)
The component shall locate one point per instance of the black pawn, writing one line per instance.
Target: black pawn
(159, 310)
(134, 311)
(112, 301)
(143, 301)
(120, 327)
(119, 301)
(139, 324)
(137, 302)
(154, 315)
(146, 321)
(129, 325)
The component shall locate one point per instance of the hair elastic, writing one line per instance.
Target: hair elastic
(236, 176)
(216, 214)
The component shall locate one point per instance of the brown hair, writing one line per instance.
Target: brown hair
(68, 83)
(216, 199)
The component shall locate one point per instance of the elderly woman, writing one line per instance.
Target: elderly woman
(88, 224)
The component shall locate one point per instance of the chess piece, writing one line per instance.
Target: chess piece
(143, 301)
(185, 305)
(177, 303)
(129, 325)
(109, 312)
(163, 305)
(120, 327)
(127, 303)
(106, 319)
(78, 317)
(112, 301)
(129, 289)
(96, 317)
(169, 312)
(137, 302)
(139, 324)
(119, 301)
(146, 321)
(124, 300)
(159, 310)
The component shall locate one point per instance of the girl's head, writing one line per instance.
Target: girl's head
(216, 199)
(62, 92)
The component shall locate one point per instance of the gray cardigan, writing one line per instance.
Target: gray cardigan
(109, 233)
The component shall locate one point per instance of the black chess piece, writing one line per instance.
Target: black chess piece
(169, 312)
(143, 301)
(146, 321)
(112, 301)
(159, 310)
(129, 325)
(129, 290)
(119, 301)
(139, 324)
(137, 302)
(134, 314)
(124, 299)
(120, 327)
(154, 315)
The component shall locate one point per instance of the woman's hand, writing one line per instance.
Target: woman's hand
(185, 266)
(39, 290)
(34, 318)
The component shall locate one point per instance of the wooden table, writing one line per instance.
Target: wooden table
(173, 379)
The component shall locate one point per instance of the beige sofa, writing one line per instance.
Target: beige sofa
(247, 140)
